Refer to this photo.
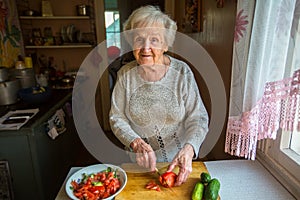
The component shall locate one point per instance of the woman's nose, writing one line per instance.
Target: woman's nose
(146, 44)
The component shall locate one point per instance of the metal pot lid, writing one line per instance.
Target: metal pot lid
(9, 83)
(28, 71)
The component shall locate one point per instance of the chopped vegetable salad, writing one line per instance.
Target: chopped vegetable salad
(96, 186)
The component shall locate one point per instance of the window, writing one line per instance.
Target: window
(290, 145)
(282, 156)
(112, 25)
(290, 140)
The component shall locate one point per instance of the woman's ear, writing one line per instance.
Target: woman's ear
(166, 48)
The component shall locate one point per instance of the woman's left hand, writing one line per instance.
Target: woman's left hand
(183, 160)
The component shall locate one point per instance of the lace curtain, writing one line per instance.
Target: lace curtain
(264, 91)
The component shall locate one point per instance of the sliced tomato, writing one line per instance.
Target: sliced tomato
(102, 177)
(89, 195)
(74, 184)
(110, 175)
(152, 186)
(168, 179)
(97, 189)
(106, 194)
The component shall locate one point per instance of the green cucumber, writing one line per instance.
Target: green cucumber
(198, 191)
(205, 177)
(97, 183)
(211, 191)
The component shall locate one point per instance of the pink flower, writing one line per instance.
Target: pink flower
(240, 25)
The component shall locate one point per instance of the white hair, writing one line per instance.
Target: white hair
(146, 16)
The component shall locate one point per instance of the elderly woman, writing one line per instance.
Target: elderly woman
(156, 109)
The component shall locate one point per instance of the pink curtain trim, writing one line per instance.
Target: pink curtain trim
(276, 109)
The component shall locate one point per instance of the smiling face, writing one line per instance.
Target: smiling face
(149, 45)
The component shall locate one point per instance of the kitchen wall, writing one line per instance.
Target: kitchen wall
(217, 38)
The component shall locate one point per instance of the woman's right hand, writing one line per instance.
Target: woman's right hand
(145, 155)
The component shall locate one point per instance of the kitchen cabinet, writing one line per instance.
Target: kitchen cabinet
(66, 36)
(38, 164)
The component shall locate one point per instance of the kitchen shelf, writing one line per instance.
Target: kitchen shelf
(54, 17)
(65, 16)
(83, 45)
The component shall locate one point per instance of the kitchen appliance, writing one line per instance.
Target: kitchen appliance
(9, 92)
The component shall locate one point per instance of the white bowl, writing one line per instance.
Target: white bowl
(95, 169)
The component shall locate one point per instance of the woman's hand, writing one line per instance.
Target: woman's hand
(183, 160)
(145, 155)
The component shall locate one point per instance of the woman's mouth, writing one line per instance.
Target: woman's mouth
(146, 55)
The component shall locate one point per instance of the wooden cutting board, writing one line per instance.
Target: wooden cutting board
(135, 188)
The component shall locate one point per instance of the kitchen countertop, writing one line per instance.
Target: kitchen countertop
(246, 180)
(240, 179)
(135, 188)
(57, 100)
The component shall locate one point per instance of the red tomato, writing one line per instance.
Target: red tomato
(152, 186)
(89, 195)
(168, 179)
(110, 175)
(114, 185)
(106, 194)
(74, 185)
(102, 177)
(97, 189)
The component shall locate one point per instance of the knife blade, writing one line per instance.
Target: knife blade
(156, 170)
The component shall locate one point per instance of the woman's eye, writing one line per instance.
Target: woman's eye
(155, 40)
(139, 40)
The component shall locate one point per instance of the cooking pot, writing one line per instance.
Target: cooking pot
(9, 92)
(26, 77)
(3, 74)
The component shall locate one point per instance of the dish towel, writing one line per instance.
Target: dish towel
(56, 124)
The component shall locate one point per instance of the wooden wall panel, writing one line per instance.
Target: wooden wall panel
(217, 38)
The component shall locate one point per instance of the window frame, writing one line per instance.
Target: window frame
(295, 144)
(282, 162)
